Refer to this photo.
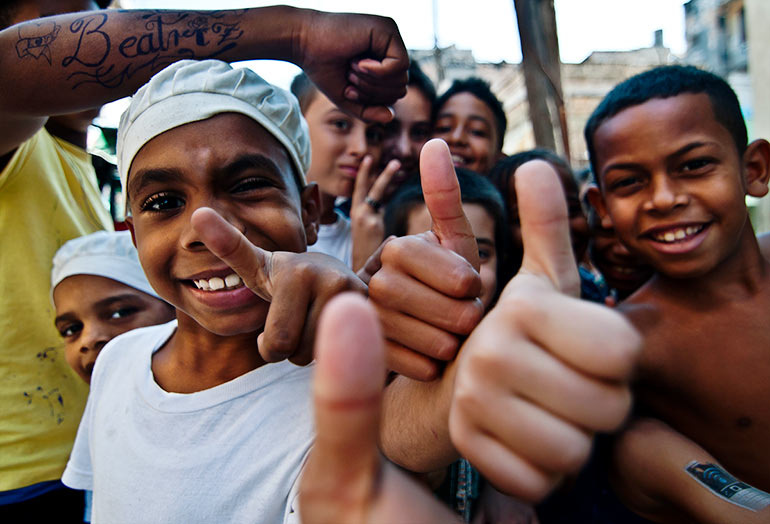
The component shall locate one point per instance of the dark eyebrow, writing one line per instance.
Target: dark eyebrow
(478, 118)
(63, 318)
(151, 175)
(254, 161)
(689, 147)
(101, 304)
(679, 152)
(485, 240)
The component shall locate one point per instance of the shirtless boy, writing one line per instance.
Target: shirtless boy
(669, 148)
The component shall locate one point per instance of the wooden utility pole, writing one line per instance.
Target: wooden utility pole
(542, 71)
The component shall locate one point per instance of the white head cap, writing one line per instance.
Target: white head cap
(109, 254)
(190, 91)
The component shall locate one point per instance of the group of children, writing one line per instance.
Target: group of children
(199, 412)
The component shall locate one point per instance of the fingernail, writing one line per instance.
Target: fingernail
(351, 93)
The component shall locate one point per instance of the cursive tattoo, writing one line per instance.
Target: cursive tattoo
(167, 37)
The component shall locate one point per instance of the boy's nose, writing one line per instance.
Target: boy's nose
(458, 134)
(665, 195)
(357, 145)
(93, 339)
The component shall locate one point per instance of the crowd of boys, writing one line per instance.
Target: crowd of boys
(246, 373)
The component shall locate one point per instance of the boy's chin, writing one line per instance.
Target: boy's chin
(230, 325)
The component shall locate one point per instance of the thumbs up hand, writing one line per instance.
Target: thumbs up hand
(345, 480)
(426, 291)
(544, 370)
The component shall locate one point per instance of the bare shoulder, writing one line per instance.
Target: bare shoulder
(645, 309)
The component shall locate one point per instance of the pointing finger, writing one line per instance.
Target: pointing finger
(250, 262)
(443, 200)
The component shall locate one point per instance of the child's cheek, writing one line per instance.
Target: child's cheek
(488, 274)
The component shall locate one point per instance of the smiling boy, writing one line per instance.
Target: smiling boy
(670, 151)
(471, 120)
(213, 161)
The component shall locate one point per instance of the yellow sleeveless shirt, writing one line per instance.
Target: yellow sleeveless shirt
(48, 195)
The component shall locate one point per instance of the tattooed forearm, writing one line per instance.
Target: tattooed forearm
(104, 51)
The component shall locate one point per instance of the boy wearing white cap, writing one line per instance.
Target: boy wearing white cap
(186, 422)
(99, 291)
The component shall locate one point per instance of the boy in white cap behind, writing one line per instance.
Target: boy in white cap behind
(187, 422)
(99, 291)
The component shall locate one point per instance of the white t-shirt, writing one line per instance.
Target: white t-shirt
(335, 240)
(231, 453)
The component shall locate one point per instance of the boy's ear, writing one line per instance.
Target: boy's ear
(130, 225)
(595, 198)
(756, 165)
(310, 200)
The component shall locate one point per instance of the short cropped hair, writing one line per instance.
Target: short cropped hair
(305, 91)
(418, 79)
(481, 90)
(665, 82)
(474, 189)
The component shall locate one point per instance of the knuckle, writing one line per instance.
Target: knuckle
(277, 346)
(469, 316)
(573, 453)
(617, 408)
(524, 310)
(465, 280)
(622, 351)
(394, 250)
(467, 400)
(444, 346)
(379, 286)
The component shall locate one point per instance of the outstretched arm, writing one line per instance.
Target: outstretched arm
(650, 472)
(90, 58)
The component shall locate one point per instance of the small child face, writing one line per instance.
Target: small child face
(92, 310)
(467, 125)
(407, 132)
(672, 184)
(339, 143)
(578, 225)
(233, 165)
(621, 269)
(483, 226)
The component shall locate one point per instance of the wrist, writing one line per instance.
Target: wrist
(276, 32)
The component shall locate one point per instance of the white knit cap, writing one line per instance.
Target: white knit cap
(190, 91)
(109, 254)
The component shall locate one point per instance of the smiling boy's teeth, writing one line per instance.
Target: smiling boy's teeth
(457, 159)
(216, 283)
(678, 234)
